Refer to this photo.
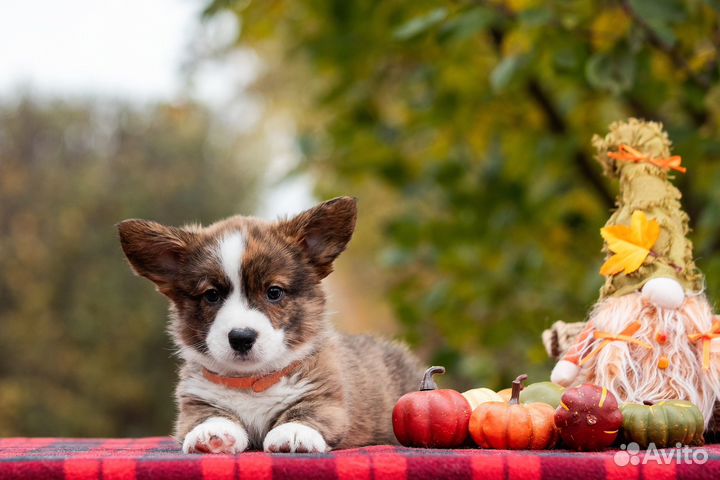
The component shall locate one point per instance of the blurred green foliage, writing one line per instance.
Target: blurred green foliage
(465, 127)
(82, 344)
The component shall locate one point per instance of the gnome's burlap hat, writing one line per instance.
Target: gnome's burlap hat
(644, 185)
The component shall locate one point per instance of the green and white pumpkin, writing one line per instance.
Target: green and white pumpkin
(543, 392)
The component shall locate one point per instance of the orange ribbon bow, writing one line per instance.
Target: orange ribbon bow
(706, 339)
(624, 336)
(628, 154)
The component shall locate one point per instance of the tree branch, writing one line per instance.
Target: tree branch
(677, 58)
(559, 127)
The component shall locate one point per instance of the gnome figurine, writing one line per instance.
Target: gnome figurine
(652, 334)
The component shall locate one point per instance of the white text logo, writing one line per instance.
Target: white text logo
(630, 455)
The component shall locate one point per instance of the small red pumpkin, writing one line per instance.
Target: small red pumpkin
(431, 418)
(588, 417)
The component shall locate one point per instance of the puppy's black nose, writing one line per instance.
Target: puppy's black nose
(242, 339)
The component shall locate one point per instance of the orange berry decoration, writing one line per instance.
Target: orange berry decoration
(663, 363)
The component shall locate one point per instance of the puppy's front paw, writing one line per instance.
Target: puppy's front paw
(294, 437)
(216, 435)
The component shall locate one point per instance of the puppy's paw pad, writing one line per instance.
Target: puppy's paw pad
(216, 435)
(294, 438)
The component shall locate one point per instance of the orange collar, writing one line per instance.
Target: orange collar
(258, 383)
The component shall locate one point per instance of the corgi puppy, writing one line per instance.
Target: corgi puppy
(262, 367)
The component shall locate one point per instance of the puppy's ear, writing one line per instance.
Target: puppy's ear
(324, 231)
(154, 251)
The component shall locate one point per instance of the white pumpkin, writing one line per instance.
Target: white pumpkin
(476, 396)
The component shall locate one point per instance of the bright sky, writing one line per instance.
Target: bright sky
(135, 50)
(117, 48)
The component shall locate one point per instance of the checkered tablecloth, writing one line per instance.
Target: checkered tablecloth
(159, 458)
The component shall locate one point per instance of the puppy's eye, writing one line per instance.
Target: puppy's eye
(275, 293)
(212, 296)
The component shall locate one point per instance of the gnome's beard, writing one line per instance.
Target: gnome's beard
(631, 371)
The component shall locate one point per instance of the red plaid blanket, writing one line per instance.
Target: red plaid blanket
(159, 458)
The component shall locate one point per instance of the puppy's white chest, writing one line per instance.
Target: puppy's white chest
(257, 411)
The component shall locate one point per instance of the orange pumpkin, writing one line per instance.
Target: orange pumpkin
(513, 425)
(505, 394)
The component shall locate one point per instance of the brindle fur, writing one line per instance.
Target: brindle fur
(354, 381)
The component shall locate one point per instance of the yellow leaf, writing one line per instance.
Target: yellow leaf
(517, 42)
(522, 5)
(630, 244)
(644, 231)
(608, 28)
(628, 261)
